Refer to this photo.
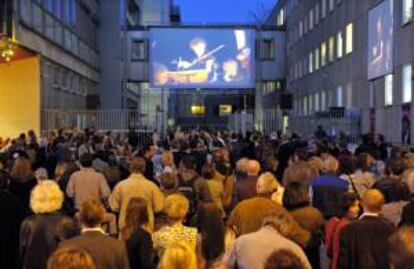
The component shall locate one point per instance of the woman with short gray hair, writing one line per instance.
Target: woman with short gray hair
(38, 233)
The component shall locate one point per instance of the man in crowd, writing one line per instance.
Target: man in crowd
(108, 253)
(136, 185)
(147, 153)
(253, 249)
(246, 188)
(364, 243)
(402, 249)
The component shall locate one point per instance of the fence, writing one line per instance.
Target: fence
(101, 120)
(333, 122)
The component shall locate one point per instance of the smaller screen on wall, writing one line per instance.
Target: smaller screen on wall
(380, 39)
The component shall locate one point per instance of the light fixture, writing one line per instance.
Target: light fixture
(7, 48)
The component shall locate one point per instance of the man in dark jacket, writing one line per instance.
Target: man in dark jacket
(109, 253)
(364, 243)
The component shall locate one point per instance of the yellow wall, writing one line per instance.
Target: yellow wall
(19, 97)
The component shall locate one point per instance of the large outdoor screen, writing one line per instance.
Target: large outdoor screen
(380, 39)
(202, 57)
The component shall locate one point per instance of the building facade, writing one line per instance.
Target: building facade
(327, 64)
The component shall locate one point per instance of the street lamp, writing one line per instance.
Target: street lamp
(7, 48)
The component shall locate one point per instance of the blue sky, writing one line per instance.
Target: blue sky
(225, 11)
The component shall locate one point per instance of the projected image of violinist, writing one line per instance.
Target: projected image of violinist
(201, 58)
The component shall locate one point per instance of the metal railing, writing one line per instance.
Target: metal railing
(119, 121)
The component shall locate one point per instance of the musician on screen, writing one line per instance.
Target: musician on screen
(203, 60)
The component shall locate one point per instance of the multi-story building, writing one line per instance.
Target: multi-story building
(329, 53)
(55, 65)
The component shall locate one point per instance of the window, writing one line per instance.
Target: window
(48, 4)
(316, 101)
(58, 8)
(310, 104)
(388, 90)
(317, 59)
(331, 5)
(339, 45)
(198, 110)
(349, 38)
(311, 19)
(138, 50)
(407, 12)
(300, 29)
(317, 13)
(305, 106)
(339, 99)
(70, 12)
(310, 62)
(349, 95)
(305, 25)
(407, 83)
(323, 54)
(331, 49)
(323, 101)
(268, 49)
(323, 9)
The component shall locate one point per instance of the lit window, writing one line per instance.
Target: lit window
(407, 14)
(323, 54)
(349, 38)
(407, 84)
(311, 19)
(339, 45)
(310, 62)
(331, 49)
(317, 13)
(198, 110)
(300, 29)
(331, 5)
(323, 11)
(317, 59)
(339, 99)
(388, 90)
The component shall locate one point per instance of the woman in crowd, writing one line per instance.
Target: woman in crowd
(284, 259)
(136, 235)
(296, 200)
(176, 207)
(215, 186)
(349, 212)
(178, 255)
(38, 233)
(71, 259)
(210, 243)
(22, 180)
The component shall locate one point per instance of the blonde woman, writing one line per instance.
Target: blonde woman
(38, 233)
(178, 255)
(176, 208)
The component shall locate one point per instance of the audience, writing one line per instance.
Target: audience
(184, 223)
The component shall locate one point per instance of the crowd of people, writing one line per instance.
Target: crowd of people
(206, 200)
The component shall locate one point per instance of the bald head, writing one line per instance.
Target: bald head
(372, 201)
(253, 168)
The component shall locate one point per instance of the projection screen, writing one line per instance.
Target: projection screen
(202, 57)
(380, 39)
